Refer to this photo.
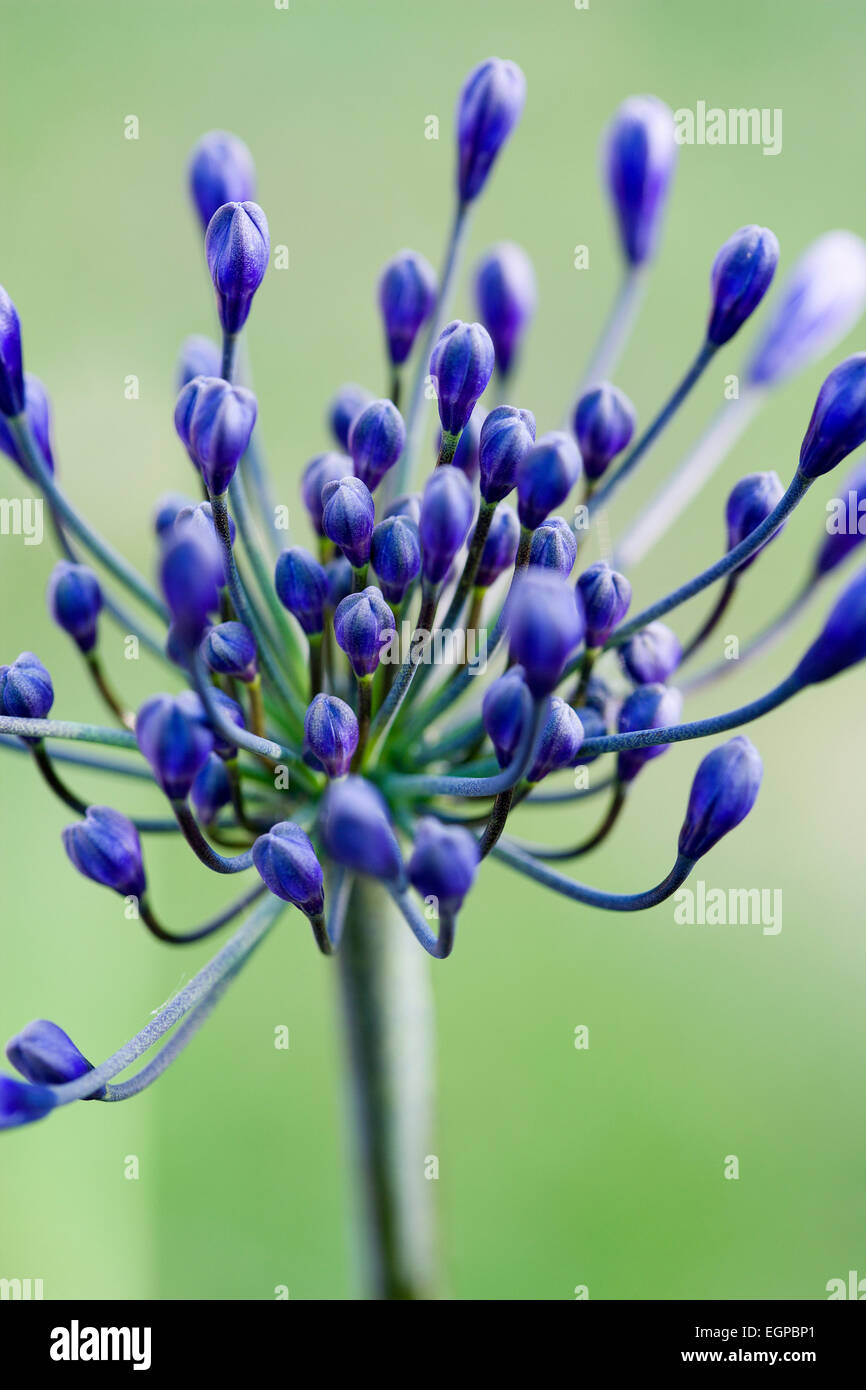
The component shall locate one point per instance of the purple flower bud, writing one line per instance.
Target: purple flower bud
(237, 246)
(490, 105)
(323, 469)
(648, 707)
(376, 441)
(343, 409)
(545, 477)
(447, 509)
(395, 553)
(560, 741)
(844, 532)
(604, 422)
(407, 294)
(842, 641)
(545, 627)
(466, 454)
(361, 623)
(47, 1056)
(287, 864)
(605, 595)
(215, 422)
(751, 501)
(74, 601)
(340, 579)
(330, 734)
(408, 505)
(838, 423)
(37, 408)
(21, 1103)
(506, 296)
(651, 655)
(507, 435)
(198, 357)
(443, 863)
(230, 650)
(199, 519)
(26, 691)
(594, 726)
(302, 587)
(190, 576)
(816, 308)
(348, 517)
(211, 789)
(11, 367)
(224, 747)
(554, 546)
(500, 547)
(741, 276)
(167, 510)
(356, 830)
(724, 790)
(639, 157)
(507, 704)
(105, 847)
(174, 736)
(461, 365)
(221, 170)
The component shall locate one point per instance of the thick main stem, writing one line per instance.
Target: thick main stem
(388, 1013)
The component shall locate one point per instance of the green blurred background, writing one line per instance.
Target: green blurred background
(558, 1167)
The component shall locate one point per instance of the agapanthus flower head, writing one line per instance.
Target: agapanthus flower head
(447, 509)
(507, 435)
(443, 863)
(395, 554)
(652, 654)
(75, 602)
(45, 1055)
(105, 847)
(302, 587)
(545, 476)
(221, 170)
(362, 622)
(323, 469)
(724, 790)
(343, 409)
(461, 365)
(838, 423)
(554, 546)
(37, 408)
(649, 707)
(330, 734)
(376, 441)
(407, 294)
(215, 422)
(506, 706)
(545, 627)
(605, 595)
(25, 688)
(500, 546)
(840, 540)
(211, 789)
(506, 295)
(173, 734)
(230, 650)
(237, 246)
(559, 745)
(12, 394)
(750, 502)
(190, 576)
(842, 640)
(639, 157)
(286, 862)
(742, 272)
(166, 511)
(21, 1103)
(490, 105)
(199, 356)
(817, 306)
(348, 518)
(356, 831)
(604, 421)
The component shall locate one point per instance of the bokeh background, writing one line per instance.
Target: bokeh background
(558, 1167)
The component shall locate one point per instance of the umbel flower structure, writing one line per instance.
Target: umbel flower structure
(328, 730)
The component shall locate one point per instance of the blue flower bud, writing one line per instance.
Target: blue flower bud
(554, 546)
(199, 519)
(323, 469)
(842, 641)
(341, 578)
(166, 511)
(105, 848)
(376, 441)
(594, 725)
(639, 158)
(651, 655)
(302, 587)
(395, 553)
(215, 422)
(356, 830)
(838, 543)
(461, 365)
(361, 623)
(816, 308)
(604, 422)
(11, 367)
(331, 734)
(199, 356)
(47, 1056)
(37, 408)
(490, 105)
(506, 296)
(211, 789)
(221, 170)
(231, 710)
(648, 707)
(190, 576)
(344, 408)
(560, 741)
(74, 601)
(751, 501)
(174, 736)
(507, 435)
(25, 688)
(447, 509)
(724, 790)
(545, 477)
(407, 294)
(230, 650)
(838, 423)
(443, 863)
(605, 595)
(500, 547)
(287, 864)
(545, 627)
(237, 246)
(21, 1103)
(507, 704)
(740, 278)
(408, 505)
(348, 518)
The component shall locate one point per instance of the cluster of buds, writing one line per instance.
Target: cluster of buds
(291, 746)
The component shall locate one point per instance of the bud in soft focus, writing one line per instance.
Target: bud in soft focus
(47, 1056)
(443, 863)
(461, 365)
(215, 421)
(648, 707)
(221, 170)
(544, 627)
(545, 477)
(190, 576)
(506, 706)
(356, 831)
(287, 864)
(344, 408)
(447, 509)
(844, 516)
(26, 691)
(395, 554)
(639, 157)
(500, 547)
(174, 736)
(330, 735)
(321, 470)
(229, 649)
(166, 512)
(724, 790)
(506, 296)
(376, 441)
(237, 246)
(605, 595)
(651, 655)
(211, 789)
(21, 1103)
(560, 741)
(604, 422)
(490, 105)
(466, 454)
(741, 276)
(554, 546)
(11, 367)
(348, 517)
(199, 356)
(105, 848)
(361, 623)
(75, 602)
(838, 423)
(507, 435)
(751, 501)
(302, 587)
(37, 408)
(842, 641)
(407, 294)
